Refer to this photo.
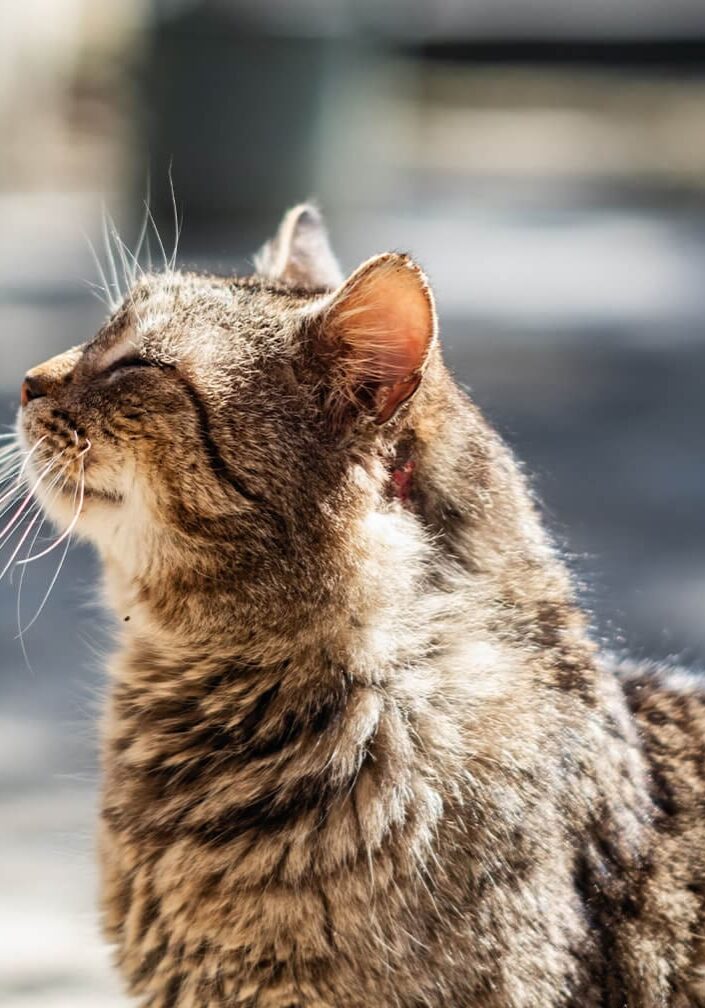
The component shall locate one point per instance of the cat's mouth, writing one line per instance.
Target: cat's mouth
(72, 489)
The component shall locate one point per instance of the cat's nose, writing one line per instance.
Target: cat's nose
(33, 387)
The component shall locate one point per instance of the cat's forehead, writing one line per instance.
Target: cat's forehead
(190, 312)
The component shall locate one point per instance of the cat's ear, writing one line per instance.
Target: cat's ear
(300, 253)
(380, 326)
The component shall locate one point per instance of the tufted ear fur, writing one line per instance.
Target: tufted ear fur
(380, 325)
(300, 254)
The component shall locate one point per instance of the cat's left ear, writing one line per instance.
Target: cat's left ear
(300, 253)
(379, 329)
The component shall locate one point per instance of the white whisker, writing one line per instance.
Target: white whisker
(115, 284)
(18, 480)
(148, 215)
(53, 483)
(118, 244)
(159, 239)
(67, 533)
(23, 630)
(9, 467)
(127, 274)
(22, 507)
(10, 455)
(18, 547)
(142, 234)
(104, 285)
(12, 501)
(177, 224)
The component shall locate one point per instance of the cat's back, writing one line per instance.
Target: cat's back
(668, 706)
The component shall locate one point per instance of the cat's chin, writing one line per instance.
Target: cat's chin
(73, 492)
(72, 507)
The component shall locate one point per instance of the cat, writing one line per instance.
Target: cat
(360, 748)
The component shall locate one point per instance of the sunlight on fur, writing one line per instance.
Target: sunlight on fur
(361, 748)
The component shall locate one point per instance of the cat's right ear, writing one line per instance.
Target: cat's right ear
(300, 253)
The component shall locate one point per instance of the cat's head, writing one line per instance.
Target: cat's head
(231, 412)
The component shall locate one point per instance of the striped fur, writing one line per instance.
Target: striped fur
(360, 749)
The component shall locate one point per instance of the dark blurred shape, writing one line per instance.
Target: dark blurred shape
(235, 112)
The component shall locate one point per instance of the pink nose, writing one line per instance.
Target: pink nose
(32, 388)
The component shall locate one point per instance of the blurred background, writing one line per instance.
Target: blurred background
(546, 164)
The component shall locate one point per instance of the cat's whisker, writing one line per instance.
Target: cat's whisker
(10, 451)
(17, 481)
(67, 533)
(148, 245)
(114, 281)
(11, 472)
(177, 223)
(53, 497)
(119, 246)
(127, 274)
(28, 498)
(10, 475)
(12, 501)
(23, 539)
(22, 630)
(159, 239)
(143, 234)
(10, 466)
(136, 267)
(16, 486)
(104, 285)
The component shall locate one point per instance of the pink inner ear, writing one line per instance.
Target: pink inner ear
(386, 318)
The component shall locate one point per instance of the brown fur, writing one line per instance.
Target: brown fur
(360, 750)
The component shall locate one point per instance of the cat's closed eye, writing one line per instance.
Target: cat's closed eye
(128, 363)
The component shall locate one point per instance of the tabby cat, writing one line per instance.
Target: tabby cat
(360, 749)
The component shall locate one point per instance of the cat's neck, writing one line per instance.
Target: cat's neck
(368, 606)
(443, 539)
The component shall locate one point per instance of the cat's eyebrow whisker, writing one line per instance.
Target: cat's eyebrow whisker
(115, 283)
(177, 223)
(104, 286)
(118, 244)
(124, 249)
(159, 239)
(142, 234)
(127, 273)
(148, 246)
(96, 291)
